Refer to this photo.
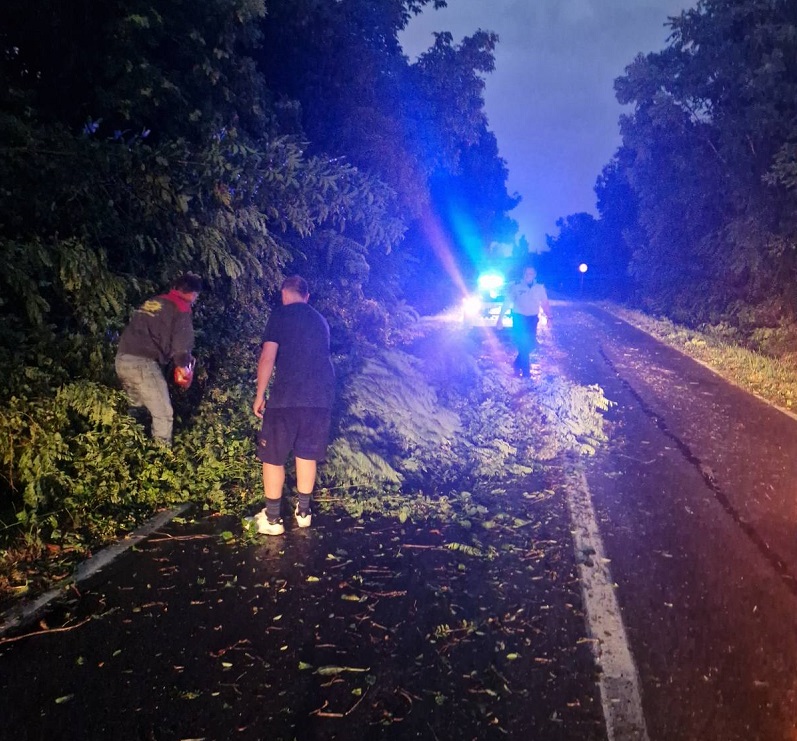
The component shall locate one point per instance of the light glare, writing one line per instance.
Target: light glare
(490, 281)
(471, 306)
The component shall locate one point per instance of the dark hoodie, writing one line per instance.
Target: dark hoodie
(160, 329)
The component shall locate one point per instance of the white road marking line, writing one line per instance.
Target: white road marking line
(21, 614)
(619, 681)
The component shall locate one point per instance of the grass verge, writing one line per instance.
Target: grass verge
(773, 379)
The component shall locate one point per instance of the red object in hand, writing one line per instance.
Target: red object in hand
(184, 375)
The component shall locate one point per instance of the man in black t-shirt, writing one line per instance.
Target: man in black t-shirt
(298, 414)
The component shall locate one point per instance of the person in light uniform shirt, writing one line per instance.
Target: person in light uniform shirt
(525, 298)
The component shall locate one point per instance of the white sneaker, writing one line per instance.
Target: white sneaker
(303, 520)
(266, 526)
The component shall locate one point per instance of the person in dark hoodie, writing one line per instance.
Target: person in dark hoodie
(160, 332)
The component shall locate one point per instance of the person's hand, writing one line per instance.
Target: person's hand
(184, 375)
(258, 406)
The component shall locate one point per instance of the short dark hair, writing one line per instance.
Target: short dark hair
(188, 283)
(297, 284)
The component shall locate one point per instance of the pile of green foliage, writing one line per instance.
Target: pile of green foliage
(439, 416)
(410, 426)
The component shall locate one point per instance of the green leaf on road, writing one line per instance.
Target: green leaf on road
(326, 671)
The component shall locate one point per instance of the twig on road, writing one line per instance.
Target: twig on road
(44, 632)
(180, 537)
(321, 713)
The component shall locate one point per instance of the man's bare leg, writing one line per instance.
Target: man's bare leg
(305, 475)
(273, 480)
(305, 481)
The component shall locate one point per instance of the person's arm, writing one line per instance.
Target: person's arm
(182, 340)
(504, 307)
(265, 367)
(546, 304)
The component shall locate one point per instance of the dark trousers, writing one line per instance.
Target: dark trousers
(524, 337)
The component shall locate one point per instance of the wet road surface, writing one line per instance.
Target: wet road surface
(352, 629)
(696, 502)
(377, 630)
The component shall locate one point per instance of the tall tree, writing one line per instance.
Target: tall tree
(343, 63)
(619, 223)
(417, 127)
(715, 116)
(152, 149)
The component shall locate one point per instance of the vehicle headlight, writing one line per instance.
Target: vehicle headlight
(471, 306)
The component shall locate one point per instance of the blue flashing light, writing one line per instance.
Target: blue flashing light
(490, 282)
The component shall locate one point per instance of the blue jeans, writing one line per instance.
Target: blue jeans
(144, 383)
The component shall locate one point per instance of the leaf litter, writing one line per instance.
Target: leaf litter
(394, 616)
(418, 629)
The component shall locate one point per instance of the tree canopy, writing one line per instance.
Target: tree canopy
(700, 199)
(238, 139)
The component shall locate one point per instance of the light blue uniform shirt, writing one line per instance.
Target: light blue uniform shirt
(526, 299)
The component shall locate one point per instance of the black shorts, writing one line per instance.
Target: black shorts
(304, 431)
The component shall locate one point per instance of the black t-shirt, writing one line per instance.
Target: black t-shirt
(303, 372)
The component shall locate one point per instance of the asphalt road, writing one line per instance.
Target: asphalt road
(695, 498)
(377, 630)
(463, 623)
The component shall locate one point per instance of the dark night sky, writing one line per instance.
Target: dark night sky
(550, 100)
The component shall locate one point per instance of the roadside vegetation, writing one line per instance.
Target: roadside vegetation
(772, 377)
(143, 139)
